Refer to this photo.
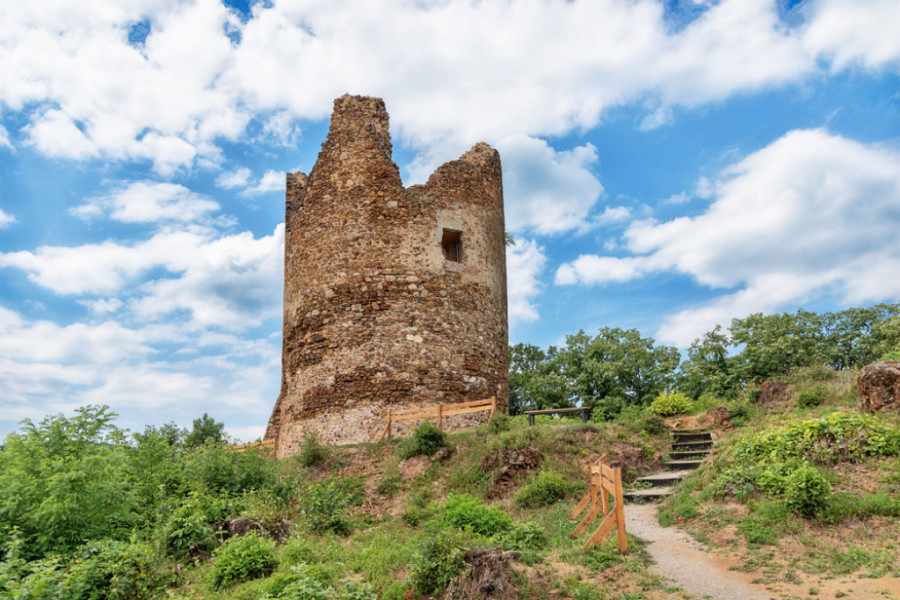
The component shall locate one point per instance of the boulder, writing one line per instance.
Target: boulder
(879, 386)
(719, 416)
(237, 527)
(773, 392)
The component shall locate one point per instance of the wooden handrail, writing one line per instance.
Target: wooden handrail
(605, 480)
(438, 412)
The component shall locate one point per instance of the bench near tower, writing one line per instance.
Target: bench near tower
(393, 297)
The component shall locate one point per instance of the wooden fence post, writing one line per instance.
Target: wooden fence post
(440, 416)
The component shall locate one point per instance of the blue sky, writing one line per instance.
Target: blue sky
(667, 166)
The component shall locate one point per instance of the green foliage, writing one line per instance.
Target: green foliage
(680, 507)
(325, 503)
(812, 397)
(61, 483)
(242, 559)
(499, 424)
(312, 452)
(465, 512)
(390, 483)
(892, 355)
(214, 469)
(667, 404)
(842, 506)
(188, 531)
(545, 489)
(205, 430)
(439, 557)
(807, 490)
(426, 440)
(529, 535)
(651, 424)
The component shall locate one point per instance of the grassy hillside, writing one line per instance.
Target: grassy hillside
(798, 491)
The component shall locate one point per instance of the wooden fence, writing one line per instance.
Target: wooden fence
(437, 413)
(265, 445)
(605, 481)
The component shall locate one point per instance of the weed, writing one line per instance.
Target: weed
(241, 559)
(439, 557)
(668, 404)
(545, 489)
(426, 440)
(390, 483)
(471, 514)
(807, 490)
(812, 397)
(312, 452)
(524, 536)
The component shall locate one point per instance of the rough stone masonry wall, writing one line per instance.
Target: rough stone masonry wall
(375, 318)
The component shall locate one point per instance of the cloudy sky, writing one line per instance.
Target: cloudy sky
(668, 165)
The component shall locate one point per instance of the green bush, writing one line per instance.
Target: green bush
(188, 531)
(524, 536)
(312, 452)
(545, 489)
(324, 504)
(426, 440)
(668, 404)
(651, 424)
(812, 397)
(499, 424)
(892, 355)
(807, 490)
(439, 557)
(242, 559)
(462, 511)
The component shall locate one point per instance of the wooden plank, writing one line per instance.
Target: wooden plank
(587, 520)
(470, 403)
(585, 500)
(551, 411)
(606, 526)
(620, 513)
(465, 411)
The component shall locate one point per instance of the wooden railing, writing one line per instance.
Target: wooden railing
(437, 413)
(605, 480)
(263, 445)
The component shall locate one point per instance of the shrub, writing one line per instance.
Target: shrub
(807, 490)
(812, 397)
(462, 511)
(892, 355)
(668, 404)
(426, 440)
(188, 531)
(390, 483)
(499, 424)
(524, 536)
(439, 557)
(651, 424)
(242, 559)
(545, 489)
(312, 452)
(324, 504)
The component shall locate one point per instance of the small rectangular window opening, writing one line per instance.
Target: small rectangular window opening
(451, 242)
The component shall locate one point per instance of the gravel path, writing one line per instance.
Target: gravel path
(684, 561)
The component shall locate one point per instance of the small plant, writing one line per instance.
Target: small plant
(668, 404)
(390, 483)
(892, 355)
(807, 490)
(462, 511)
(324, 504)
(312, 452)
(499, 424)
(545, 489)
(242, 559)
(440, 556)
(188, 532)
(524, 536)
(812, 397)
(426, 440)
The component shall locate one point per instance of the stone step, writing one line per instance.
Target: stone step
(651, 494)
(692, 437)
(687, 446)
(687, 455)
(664, 479)
(682, 465)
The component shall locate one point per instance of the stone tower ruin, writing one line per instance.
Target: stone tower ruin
(393, 297)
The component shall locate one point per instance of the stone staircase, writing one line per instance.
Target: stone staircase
(689, 450)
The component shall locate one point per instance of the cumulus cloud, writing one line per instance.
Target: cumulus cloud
(271, 181)
(87, 91)
(4, 138)
(525, 262)
(548, 191)
(232, 179)
(148, 202)
(228, 281)
(812, 213)
(6, 219)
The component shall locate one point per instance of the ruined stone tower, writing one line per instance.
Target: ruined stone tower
(393, 297)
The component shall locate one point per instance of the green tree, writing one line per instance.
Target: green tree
(535, 379)
(205, 429)
(708, 368)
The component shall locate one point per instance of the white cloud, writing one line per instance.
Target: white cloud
(6, 219)
(854, 32)
(271, 181)
(547, 191)
(149, 202)
(232, 179)
(102, 306)
(473, 73)
(4, 138)
(810, 214)
(232, 281)
(525, 262)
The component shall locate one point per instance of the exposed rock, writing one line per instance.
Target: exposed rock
(510, 463)
(774, 392)
(237, 528)
(719, 416)
(879, 386)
